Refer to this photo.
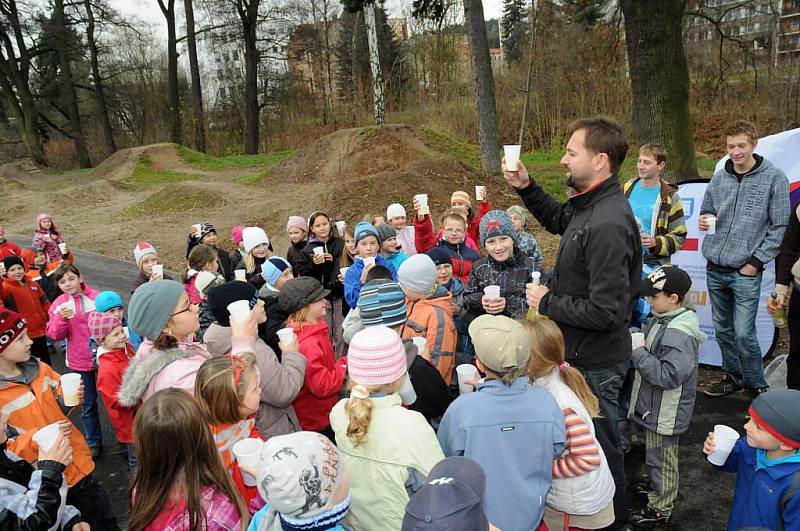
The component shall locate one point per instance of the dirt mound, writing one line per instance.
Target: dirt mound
(162, 156)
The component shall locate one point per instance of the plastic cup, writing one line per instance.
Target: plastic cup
(127, 331)
(724, 440)
(480, 193)
(637, 340)
(248, 453)
(340, 226)
(493, 292)
(285, 335)
(45, 437)
(712, 224)
(407, 393)
(69, 388)
(422, 200)
(240, 275)
(343, 270)
(63, 248)
(319, 250)
(369, 260)
(158, 269)
(511, 152)
(421, 343)
(465, 371)
(70, 305)
(239, 310)
(199, 227)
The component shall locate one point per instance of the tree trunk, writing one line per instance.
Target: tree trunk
(99, 91)
(484, 86)
(329, 80)
(76, 129)
(198, 119)
(660, 81)
(378, 96)
(173, 95)
(249, 17)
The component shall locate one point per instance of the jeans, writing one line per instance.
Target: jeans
(129, 455)
(793, 360)
(89, 412)
(734, 305)
(606, 384)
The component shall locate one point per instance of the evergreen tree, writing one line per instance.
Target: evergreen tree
(587, 13)
(514, 29)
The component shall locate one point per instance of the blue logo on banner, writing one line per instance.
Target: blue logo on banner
(688, 207)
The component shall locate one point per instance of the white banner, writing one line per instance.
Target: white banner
(779, 150)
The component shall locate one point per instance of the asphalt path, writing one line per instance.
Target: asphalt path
(705, 494)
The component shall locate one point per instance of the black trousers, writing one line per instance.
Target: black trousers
(793, 360)
(92, 500)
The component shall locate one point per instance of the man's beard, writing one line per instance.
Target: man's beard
(569, 180)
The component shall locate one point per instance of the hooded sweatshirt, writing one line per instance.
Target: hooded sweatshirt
(111, 366)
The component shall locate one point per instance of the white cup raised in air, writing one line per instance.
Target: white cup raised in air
(724, 440)
(511, 152)
(239, 310)
(248, 453)
(46, 436)
(369, 260)
(62, 247)
(340, 226)
(480, 193)
(158, 269)
(465, 371)
(285, 335)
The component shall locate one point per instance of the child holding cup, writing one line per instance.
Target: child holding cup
(47, 237)
(146, 258)
(366, 237)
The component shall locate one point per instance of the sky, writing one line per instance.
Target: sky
(149, 12)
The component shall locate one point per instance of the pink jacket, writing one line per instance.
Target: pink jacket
(75, 330)
(191, 291)
(50, 248)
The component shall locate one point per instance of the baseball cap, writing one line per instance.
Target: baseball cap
(670, 279)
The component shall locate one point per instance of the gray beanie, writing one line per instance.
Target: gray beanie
(385, 231)
(152, 305)
(417, 274)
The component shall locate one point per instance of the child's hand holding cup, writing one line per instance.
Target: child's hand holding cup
(319, 255)
(67, 309)
(243, 322)
(157, 272)
(287, 340)
(421, 205)
(2, 269)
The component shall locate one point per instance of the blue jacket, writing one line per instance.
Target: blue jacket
(763, 487)
(514, 433)
(396, 258)
(352, 279)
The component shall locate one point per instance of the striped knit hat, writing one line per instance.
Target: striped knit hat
(101, 324)
(461, 196)
(382, 302)
(376, 356)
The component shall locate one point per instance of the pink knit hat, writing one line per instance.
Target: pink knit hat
(101, 324)
(376, 356)
(236, 234)
(297, 222)
(41, 217)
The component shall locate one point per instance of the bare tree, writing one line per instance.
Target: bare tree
(168, 10)
(198, 119)
(97, 81)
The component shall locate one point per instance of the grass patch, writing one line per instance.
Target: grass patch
(205, 162)
(144, 174)
(706, 166)
(252, 179)
(442, 142)
(544, 167)
(173, 198)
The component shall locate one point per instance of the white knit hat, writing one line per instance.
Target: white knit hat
(376, 356)
(395, 210)
(417, 274)
(252, 237)
(141, 250)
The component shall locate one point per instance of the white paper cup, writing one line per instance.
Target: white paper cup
(69, 388)
(637, 340)
(421, 343)
(239, 310)
(158, 269)
(319, 250)
(46, 436)
(199, 227)
(511, 152)
(127, 331)
(724, 440)
(285, 334)
(343, 270)
(340, 228)
(480, 193)
(422, 200)
(369, 260)
(407, 393)
(493, 292)
(240, 275)
(465, 371)
(70, 305)
(248, 453)
(712, 224)
(424, 210)
(63, 248)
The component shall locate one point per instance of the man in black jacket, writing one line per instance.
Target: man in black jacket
(598, 271)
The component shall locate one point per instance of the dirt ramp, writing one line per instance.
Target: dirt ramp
(162, 156)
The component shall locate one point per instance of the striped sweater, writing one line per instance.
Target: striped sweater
(582, 453)
(668, 223)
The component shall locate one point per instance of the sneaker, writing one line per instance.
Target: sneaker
(643, 486)
(648, 518)
(724, 387)
(753, 392)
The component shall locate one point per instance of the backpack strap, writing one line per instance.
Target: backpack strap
(787, 497)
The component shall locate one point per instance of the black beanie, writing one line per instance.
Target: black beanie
(13, 260)
(778, 413)
(220, 297)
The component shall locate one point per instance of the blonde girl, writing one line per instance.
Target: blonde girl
(377, 436)
(229, 391)
(582, 492)
(181, 482)
(256, 251)
(201, 258)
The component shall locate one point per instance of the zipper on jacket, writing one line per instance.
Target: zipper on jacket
(735, 203)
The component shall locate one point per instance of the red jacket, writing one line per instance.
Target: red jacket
(323, 379)
(474, 226)
(29, 299)
(8, 248)
(111, 366)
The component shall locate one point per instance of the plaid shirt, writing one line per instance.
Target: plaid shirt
(221, 514)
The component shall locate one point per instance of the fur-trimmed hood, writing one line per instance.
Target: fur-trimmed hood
(161, 369)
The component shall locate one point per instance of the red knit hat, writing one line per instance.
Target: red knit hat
(12, 325)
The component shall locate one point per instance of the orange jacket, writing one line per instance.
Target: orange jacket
(433, 319)
(32, 405)
(29, 299)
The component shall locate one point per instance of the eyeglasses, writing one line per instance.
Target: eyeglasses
(187, 309)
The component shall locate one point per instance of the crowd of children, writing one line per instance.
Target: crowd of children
(341, 363)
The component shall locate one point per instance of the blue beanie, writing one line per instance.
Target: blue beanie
(496, 223)
(107, 300)
(440, 255)
(382, 302)
(272, 268)
(364, 229)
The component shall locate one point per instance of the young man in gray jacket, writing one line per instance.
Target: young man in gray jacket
(747, 205)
